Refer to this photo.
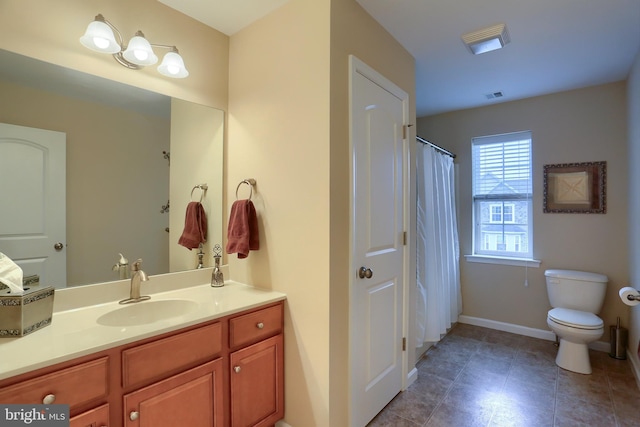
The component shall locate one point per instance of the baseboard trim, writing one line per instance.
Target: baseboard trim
(412, 376)
(635, 365)
(523, 330)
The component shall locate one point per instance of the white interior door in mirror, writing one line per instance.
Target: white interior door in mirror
(32, 192)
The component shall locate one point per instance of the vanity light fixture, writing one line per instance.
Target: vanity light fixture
(137, 54)
(487, 39)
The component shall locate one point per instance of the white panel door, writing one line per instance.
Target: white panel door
(378, 113)
(33, 194)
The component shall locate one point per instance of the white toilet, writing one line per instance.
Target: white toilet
(576, 297)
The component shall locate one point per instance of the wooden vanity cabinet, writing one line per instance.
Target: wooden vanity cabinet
(227, 372)
(256, 375)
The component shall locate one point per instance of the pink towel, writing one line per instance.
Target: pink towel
(195, 226)
(242, 233)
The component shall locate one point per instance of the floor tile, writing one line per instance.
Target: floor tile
(482, 377)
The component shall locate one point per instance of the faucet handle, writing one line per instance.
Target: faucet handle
(136, 265)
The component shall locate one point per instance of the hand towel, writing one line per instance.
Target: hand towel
(10, 274)
(195, 226)
(242, 233)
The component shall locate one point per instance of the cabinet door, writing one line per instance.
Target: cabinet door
(98, 417)
(257, 384)
(193, 398)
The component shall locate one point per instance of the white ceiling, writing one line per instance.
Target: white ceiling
(226, 16)
(556, 45)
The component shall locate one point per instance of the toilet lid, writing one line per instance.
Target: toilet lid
(575, 318)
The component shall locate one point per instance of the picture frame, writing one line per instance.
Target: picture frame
(575, 188)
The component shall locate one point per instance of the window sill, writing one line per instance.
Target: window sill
(522, 262)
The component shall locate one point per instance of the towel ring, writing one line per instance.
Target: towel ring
(203, 188)
(250, 182)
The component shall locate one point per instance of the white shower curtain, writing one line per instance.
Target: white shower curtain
(439, 299)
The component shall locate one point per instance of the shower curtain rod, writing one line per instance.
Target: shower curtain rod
(437, 147)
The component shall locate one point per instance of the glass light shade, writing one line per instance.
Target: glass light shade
(99, 37)
(139, 51)
(173, 66)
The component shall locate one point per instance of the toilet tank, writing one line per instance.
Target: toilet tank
(578, 290)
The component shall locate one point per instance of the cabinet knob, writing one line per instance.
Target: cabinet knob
(236, 369)
(49, 399)
(260, 325)
(134, 415)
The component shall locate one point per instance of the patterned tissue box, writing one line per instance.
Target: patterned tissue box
(21, 314)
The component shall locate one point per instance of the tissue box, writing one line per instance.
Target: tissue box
(21, 314)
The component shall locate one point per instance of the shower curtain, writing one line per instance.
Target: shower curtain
(439, 299)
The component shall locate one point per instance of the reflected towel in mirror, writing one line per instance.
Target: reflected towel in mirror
(195, 226)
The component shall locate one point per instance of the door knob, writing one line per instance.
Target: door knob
(58, 246)
(365, 273)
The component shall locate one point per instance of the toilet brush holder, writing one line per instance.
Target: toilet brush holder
(618, 340)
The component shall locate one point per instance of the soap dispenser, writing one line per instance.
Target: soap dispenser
(217, 279)
(122, 267)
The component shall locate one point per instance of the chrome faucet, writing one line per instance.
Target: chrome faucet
(137, 277)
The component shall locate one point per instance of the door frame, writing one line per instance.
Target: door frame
(357, 66)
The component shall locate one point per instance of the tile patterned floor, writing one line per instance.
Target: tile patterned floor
(483, 377)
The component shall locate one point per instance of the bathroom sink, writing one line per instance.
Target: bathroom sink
(145, 312)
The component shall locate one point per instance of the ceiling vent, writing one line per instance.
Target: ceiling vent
(487, 39)
(494, 95)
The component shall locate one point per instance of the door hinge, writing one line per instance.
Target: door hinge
(404, 344)
(404, 238)
(405, 128)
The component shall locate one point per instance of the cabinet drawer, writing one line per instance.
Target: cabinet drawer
(255, 326)
(73, 386)
(97, 417)
(167, 356)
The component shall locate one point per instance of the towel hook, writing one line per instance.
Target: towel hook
(250, 182)
(203, 188)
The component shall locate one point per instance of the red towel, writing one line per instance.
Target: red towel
(242, 233)
(195, 226)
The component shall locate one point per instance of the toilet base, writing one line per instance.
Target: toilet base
(573, 357)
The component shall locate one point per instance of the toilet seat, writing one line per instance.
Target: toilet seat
(575, 318)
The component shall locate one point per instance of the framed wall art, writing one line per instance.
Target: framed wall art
(575, 188)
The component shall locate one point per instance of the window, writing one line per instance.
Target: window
(502, 212)
(502, 193)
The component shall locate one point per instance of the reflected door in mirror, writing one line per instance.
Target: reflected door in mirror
(33, 213)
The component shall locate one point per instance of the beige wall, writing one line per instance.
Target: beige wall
(577, 126)
(278, 120)
(288, 129)
(197, 139)
(633, 96)
(355, 32)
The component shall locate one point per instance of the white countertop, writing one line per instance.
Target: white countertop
(75, 332)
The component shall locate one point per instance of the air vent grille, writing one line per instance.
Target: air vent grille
(494, 95)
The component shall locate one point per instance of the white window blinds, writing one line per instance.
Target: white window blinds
(502, 166)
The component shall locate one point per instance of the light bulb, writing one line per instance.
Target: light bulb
(141, 55)
(101, 42)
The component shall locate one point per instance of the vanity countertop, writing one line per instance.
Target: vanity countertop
(75, 332)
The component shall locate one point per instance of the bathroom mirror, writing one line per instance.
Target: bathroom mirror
(129, 173)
